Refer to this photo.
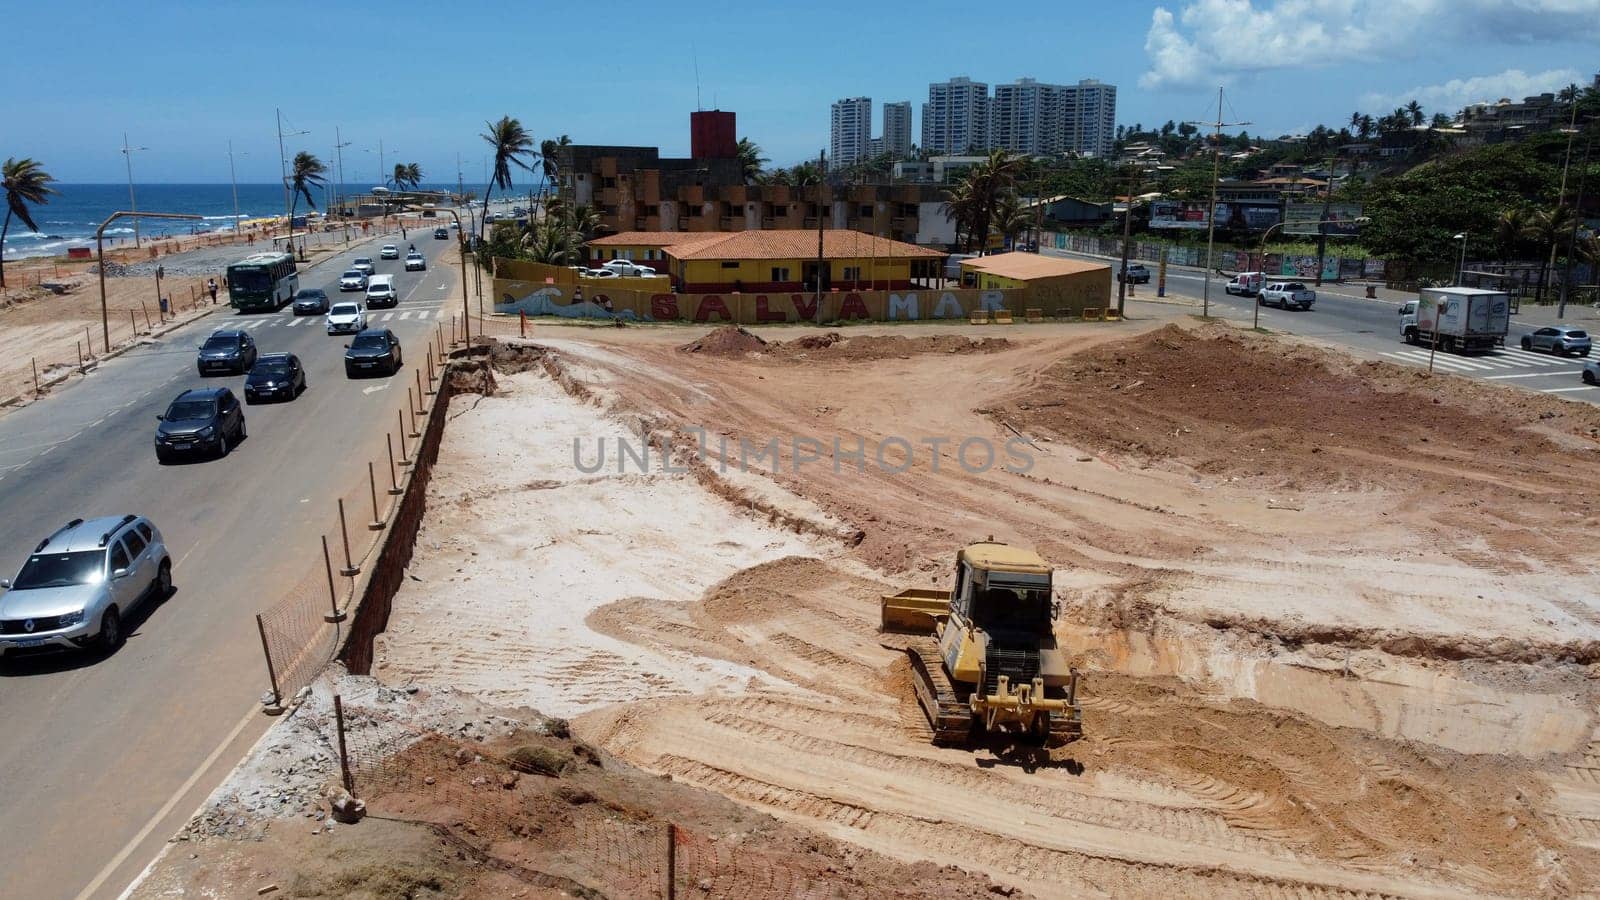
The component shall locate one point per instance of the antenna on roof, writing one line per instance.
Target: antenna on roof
(696, 54)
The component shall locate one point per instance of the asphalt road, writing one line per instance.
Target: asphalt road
(1343, 316)
(102, 759)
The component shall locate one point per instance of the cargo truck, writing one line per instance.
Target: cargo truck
(1461, 320)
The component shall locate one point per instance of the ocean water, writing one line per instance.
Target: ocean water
(76, 210)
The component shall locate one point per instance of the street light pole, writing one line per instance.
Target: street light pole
(235, 180)
(1577, 220)
(1461, 264)
(1211, 214)
(1127, 232)
(339, 144)
(100, 258)
(283, 166)
(133, 205)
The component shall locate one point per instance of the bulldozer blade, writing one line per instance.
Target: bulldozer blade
(914, 611)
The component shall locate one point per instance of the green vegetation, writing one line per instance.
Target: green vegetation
(305, 175)
(512, 146)
(406, 175)
(25, 182)
(750, 160)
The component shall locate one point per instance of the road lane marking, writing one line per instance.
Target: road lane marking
(1532, 375)
(166, 808)
(405, 315)
(1581, 387)
(375, 389)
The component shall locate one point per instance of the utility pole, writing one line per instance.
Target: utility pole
(133, 205)
(283, 167)
(1577, 221)
(1127, 233)
(1322, 224)
(1211, 214)
(338, 149)
(822, 161)
(233, 178)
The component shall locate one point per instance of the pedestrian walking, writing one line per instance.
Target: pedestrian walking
(211, 287)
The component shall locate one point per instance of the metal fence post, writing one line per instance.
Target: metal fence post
(333, 594)
(372, 482)
(276, 706)
(344, 755)
(350, 568)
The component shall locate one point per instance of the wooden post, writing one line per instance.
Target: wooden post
(350, 569)
(344, 755)
(669, 872)
(394, 484)
(133, 323)
(421, 409)
(372, 482)
(430, 370)
(88, 341)
(522, 323)
(333, 593)
(80, 355)
(147, 326)
(413, 410)
(276, 706)
(38, 389)
(401, 415)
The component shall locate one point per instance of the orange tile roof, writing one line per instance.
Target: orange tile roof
(1025, 266)
(650, 238)
(801, 244)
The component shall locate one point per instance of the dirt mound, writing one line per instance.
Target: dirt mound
(1225, 404)
(833, 345)
(729, 340)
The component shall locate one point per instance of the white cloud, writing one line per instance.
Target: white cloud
(1450, 96)
(1212, 41)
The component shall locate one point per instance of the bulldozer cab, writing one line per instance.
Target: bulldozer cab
(1002, 590)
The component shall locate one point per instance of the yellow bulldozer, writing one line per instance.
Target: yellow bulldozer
(983, 654)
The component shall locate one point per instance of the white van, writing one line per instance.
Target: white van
(381, 292)
(1246, 284)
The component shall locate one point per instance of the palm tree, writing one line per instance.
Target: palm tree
(1355, 122)
(25, 182)
(1414, 112)
(1548, 228)
(1365, 126)
(305, 175)
(548, 243)
(960, 207)
(1441, 120)
(1011, 218)
(512, 146)
(990, 180)
(750, 159)
(1510, 230)
(407, 176)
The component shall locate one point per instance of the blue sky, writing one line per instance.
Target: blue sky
(184, 78)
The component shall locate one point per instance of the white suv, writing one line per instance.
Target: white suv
(381, 292)
(80, 583)
(346, 318)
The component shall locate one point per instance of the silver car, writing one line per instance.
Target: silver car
(81, 583)
(1558, 339)
(1591, 372)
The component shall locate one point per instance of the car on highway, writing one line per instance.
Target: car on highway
(454, 224)
(275, 376)
(373, 350)
(79, 585)
(1136, 274)
(381, 292)
(441, 234)
(200, 420)
(416, 262)
(364, 263)
(389, 251)
(1558, 339)
(353, 280)
(1245, 284)
(310, 302)
(346, 318)
(227, 352)
(1591, 372)
(1286, 295)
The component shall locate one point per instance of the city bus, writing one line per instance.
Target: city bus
(263, 282)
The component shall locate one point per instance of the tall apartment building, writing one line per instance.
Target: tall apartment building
(851, 131)
(897, 129)
(1092, 112)
(1030, 117)
(956, 116)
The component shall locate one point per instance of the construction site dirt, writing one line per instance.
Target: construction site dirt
(1337, 619)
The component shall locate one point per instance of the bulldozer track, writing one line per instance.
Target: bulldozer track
(950, 719)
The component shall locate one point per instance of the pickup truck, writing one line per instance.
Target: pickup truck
(1286, 295)
(1458, 319)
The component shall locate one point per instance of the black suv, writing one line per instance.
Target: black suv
(202, 420)
(373, 350)
(228, 352)
(441, 234)
(275, 375)
(310, 302)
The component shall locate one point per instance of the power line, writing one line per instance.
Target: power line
(1211, 214)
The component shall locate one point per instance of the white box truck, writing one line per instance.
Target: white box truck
(1463, 320)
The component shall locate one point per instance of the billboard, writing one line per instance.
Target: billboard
(1302, 218)
(1179, 214)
